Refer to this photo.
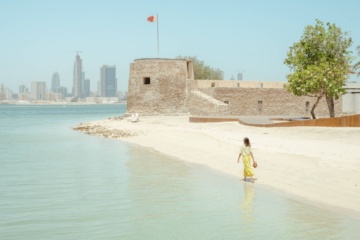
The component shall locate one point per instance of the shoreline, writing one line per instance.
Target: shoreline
(316, 166)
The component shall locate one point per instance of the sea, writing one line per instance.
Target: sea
(57, 184)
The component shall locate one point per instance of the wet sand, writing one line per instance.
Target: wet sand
(320, 166)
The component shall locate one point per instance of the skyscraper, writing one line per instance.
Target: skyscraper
(63, 91)
(2, 92)
(55, 82)
(98, 90)
(108, 81)
(23, 89)
(38, 90)
(86, 88)
(239, 76)
(77, 77)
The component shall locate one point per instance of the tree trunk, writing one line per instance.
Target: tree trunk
(330, 103)
(314, 106)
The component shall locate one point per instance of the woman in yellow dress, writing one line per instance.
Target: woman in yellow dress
(246, 153)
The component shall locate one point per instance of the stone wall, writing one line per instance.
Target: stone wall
(159, 86)
(204, 84)
(202, 104)
(167, 87)
(261, 101)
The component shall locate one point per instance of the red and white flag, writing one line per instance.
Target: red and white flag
(152, 19)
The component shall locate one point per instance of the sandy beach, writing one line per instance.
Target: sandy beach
(316, 165)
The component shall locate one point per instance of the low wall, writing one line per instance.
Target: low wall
(237, 84)
(346, 121)
(212, 119)
(270, 102)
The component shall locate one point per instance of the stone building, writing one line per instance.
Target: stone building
(351, 100)
(167, 87)
(254, 98)
(159, 86)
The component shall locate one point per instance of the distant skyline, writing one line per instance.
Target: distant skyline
(108, 81)
(78, 78)
(40, 37)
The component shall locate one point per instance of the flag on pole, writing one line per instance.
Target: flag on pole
(152, 19)
(155, 19)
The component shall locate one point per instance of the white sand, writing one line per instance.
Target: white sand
(318, 165)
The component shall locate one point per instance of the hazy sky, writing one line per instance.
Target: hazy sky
(39, 37)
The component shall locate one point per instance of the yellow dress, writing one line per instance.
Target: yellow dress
(245, 152)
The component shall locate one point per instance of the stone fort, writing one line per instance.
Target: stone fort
(167, 87)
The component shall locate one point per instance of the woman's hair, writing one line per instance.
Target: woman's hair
(247, 142)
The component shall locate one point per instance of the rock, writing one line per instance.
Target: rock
(98, 130)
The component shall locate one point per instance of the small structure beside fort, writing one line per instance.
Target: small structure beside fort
(160, 86)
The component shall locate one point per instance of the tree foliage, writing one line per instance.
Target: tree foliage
(202, 71)
(319, 64)
(357, 65)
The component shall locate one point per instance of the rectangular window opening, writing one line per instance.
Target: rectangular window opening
(146, 80)
(212, 84)
(226, 102)
(260, 106)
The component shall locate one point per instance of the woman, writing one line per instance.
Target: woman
(246, 153)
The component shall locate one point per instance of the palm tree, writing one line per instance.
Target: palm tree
(357, 65)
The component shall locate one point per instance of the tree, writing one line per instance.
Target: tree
(319, 64)
(357, 65)
(202, 71)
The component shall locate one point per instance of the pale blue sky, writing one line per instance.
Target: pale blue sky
(39, 37)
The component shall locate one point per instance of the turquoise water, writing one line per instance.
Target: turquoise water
(56, 183)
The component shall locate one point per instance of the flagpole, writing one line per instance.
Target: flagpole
(157, 30)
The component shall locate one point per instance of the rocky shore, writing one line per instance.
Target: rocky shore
(99, 130)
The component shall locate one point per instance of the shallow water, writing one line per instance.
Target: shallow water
(56, 183)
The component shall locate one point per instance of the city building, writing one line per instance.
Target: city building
(77, 77)
(23, 89)
(2, 92)
(62, 91)
(55, 82)
(38, 90)
(239, 76)
(86, 87)
(108, 81)
(122, 96)
(82, 84)
(23, 93)
(7, 93)
(54, 97)
(98, 91)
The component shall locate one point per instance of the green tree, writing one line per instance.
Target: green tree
(319, 64)
(202, 71)
(357, 65)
